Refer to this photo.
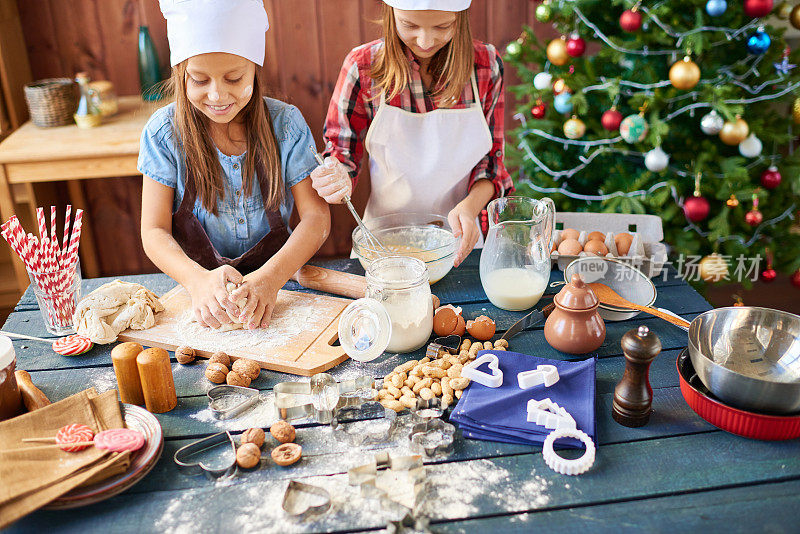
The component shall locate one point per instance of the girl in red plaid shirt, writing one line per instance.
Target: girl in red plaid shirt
(426, 102)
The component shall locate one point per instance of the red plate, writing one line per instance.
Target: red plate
(740, 422)
(142, 461)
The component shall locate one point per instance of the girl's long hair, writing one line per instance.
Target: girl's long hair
(202, 162)
(451, 66)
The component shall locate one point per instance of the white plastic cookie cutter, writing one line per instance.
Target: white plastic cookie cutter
(494, 380)
(563, 465)
(550, 415)
(543, 374)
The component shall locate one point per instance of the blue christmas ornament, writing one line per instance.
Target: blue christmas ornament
(758, 42)
(715, 8)
(563, 103)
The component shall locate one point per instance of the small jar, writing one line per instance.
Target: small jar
(10, 398)
(400, 283)
(575, 326)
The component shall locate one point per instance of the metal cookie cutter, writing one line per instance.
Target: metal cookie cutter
(295, 502)
(320, 397)
(432, 438)
(543, 374)
(183, 456)
(427, 409)
(349, 424)
(226, 402)
(409, 523)
(494, 380)
(449, 344)
(550, 415)
(366, 476)
(564, 465)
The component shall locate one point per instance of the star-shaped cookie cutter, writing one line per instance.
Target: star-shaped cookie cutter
(321, 396)
(433, 438)
(366, 476)
(409, 523)
(350, 416)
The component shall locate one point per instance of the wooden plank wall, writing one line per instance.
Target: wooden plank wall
(306, 44)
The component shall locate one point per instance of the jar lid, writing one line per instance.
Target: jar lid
(576, 295)
(365, 329)
(6, 352)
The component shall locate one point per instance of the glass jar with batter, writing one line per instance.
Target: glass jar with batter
(400, 283)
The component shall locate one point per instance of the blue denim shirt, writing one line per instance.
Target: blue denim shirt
(241, 221)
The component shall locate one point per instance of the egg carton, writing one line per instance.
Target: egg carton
(647, 252)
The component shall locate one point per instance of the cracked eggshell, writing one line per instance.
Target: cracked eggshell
(482, 328)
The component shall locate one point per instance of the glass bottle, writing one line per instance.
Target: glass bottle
(88, 114)
(149, 71)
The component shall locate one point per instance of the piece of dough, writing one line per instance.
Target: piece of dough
(114, 307)
(241, 303)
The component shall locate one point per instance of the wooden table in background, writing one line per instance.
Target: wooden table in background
(68, 153)
(677, 473)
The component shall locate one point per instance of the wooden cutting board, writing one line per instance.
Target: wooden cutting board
(299, 340)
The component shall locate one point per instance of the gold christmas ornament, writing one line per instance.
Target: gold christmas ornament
(732, 202)
(574, 128)
(713, 268)
(560, 86)
(557, 51)
(784, 10)
(684, 74)
(734, 132)
(794, 17)
(796, 111)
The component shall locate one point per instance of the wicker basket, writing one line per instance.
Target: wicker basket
(51, 102)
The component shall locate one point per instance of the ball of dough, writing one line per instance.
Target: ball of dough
(246, 367)
(282, 431)
(184, 355)
(235, 379)
(220, 357)
(216, 372)
(253, 435)
(248, 456)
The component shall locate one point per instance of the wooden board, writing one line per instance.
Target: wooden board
(299, 340)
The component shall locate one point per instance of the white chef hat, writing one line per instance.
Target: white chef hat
(437, 5)
(202, 26)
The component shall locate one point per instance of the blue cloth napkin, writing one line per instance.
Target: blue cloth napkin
(501, 414)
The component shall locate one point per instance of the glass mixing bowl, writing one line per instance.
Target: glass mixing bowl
(425, 236)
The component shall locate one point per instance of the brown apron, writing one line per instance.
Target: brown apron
(193, 239)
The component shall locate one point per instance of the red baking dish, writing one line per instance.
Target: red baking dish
(740, 422)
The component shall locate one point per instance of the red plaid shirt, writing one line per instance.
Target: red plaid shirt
(354, 103)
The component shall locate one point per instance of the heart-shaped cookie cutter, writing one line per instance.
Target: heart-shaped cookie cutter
(423, 434)
(345, 419)
(451, 344)
(222, 400)
(366, 475)
(183, 455)
(543, 374)
(293, 503)
(321, 396)
(493, 380)
(550, 415)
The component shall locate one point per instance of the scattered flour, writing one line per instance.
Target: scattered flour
(102, 378)
(262, 414)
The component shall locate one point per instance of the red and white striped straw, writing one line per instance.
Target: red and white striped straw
(66, 234)
(53, 238)
(72, 253)
(42, 223)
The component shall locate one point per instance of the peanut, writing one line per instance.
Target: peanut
(465, 344)
(392, 404)
(436, 387)
(459, 392)
(501, 343)
(408, 402)
(397, 380)
(393, 391)
(426, 393)
(434, 372)
(406, 367)
(447, 400)
(446, 389)
(455, 371)
(424, 360)
(406, 391)
(425, 382)
(459, 383)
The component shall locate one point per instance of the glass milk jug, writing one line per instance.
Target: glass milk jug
(515, 261)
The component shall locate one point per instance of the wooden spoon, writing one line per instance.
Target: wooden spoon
(606, 295)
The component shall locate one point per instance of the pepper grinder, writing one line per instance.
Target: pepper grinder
(158, 386)
(633, 396)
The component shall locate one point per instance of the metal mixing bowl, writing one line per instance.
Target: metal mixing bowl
(749, 357)
(420, 235)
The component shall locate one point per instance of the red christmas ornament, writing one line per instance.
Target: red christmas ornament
(757, 8)
(796, 278)
(630, 20)
(611, 120)
(769, 275)
(576, 46)
(753, 217)
(696, 208)
(771, 178)
(538, 111)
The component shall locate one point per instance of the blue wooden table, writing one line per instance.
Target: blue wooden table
(678, 471)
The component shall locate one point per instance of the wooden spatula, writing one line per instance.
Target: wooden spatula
(606, 295)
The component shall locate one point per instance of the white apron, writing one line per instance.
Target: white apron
(421, 162)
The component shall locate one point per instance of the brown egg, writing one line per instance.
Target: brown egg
(482, 328)
(570, 247)
(600, 236)
(448, 320)
(570, 233)
(623, 242)
(461, 326)
(595, 247)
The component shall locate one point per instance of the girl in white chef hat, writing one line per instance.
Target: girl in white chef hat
(224, 166)
(426, 102)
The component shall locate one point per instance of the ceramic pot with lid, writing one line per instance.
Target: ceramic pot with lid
(575, 326)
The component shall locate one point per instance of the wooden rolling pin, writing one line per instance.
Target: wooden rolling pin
(32, 397)
(335, 282)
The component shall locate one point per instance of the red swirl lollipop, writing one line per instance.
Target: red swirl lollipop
(72, 345)
(119, 440)
(74, 433)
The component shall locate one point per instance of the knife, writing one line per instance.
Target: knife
(534, 317)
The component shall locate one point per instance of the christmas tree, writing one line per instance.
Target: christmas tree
(679, 108)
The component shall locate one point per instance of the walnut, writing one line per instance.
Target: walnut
(253, 435)
(248, 456)
(287, 454)
(235, 379)
(184, 355)
(247, 367)
(216, 372)
(282, 431)
(220, 357)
